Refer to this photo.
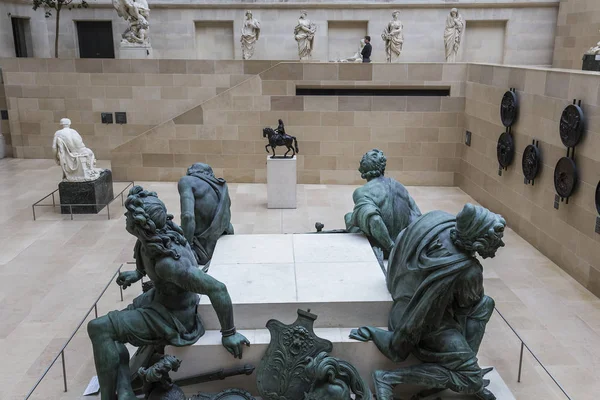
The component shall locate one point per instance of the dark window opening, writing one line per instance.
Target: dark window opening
(95, 39)
(22, 37)
(320, 91)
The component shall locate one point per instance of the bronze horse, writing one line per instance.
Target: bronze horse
(280, 138)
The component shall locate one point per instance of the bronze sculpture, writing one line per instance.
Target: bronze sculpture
(334, 379)
(278, 137)
(205, 210)
(166, 314)
(440, 310)
(382, 207)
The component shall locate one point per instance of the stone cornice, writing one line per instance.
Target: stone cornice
(347, 4)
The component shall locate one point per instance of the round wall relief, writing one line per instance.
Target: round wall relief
(565, 177)
(598, 197)
(571, 125)
(505, 150)
(509, 108)
(531, 162)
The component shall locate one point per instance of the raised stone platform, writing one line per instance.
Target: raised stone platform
(336, 276)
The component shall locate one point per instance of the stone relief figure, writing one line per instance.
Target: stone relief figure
(205, 210)
(250, 34)
(393, 37)
(453, 34)
(136, 13)
(382, 207)
(440, 310)
(594, 50)
(78, 163)
(304, 33)
(166, 314)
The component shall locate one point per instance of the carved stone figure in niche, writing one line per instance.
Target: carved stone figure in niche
(304, 33)
(440, 310)
(166, 314)
(250, 34)
(281, 372)
(78, 163)
(382, 207)
(453, 34)
(334, 379)
(136, 13)
(278, 137)
(357, 57)
(205, 210)
(594, 50)
(393, 37)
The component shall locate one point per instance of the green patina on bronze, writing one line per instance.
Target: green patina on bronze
(166, 314)
(440, 310)
(281, 373)
(334, 379)
(205, 210)
(382, 207)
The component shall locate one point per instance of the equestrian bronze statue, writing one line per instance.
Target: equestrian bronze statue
(278, 137)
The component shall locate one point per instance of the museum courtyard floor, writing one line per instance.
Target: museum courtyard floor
(53, 269)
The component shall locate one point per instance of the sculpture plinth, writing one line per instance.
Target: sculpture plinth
(129, 52)
(81, 194)
(591, 62)
(281, 182)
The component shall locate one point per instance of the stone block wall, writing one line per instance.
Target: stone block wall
(4, 124)
(578, 29)
(40, 92)
(565, 235)
(420, 135)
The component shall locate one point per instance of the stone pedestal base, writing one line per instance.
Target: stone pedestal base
(281, 182)
(591, 62)
(98, 192)
(135, 53)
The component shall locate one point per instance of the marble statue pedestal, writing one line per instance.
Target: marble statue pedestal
(591, 62)
(95, 194)
(281, 182)
(135, 52)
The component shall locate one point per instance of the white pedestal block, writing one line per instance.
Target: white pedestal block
(281, 182)
(135, 53)
(271, 276)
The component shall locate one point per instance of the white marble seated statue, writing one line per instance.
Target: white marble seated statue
(77, 161)
(357, 57)
(594, 50)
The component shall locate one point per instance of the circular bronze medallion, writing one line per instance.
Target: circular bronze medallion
(531, 162)
(234, 394)
(508, 108)
(598, 197)
(571, 125)
(565, 177)
(505, 150)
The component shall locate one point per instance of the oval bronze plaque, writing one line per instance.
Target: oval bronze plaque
(571, 125)
(565, 177)
(531, 162)
(509, 108)
(505, 150)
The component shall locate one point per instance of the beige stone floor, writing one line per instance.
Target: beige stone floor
(51, 270)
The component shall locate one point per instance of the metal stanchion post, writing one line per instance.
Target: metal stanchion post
(71, 209)
(96, 309)
(33, 209)
(53, 201)
(108, 209)
(520, 362)
(62, 355)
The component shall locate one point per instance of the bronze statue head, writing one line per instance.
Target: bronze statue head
(334, 379)
(200, 168)
(372, 164)
(148, 220)
(478, 230)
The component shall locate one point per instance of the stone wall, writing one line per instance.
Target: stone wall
(173, 28)
(420, 135)
(4, 124)
(42, 91)
(578, 29)
(565, 235)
